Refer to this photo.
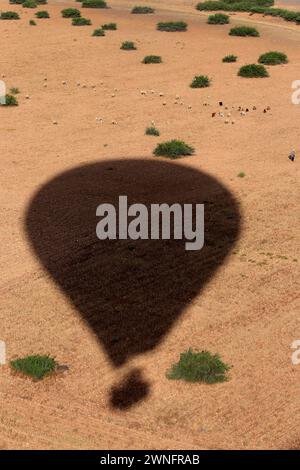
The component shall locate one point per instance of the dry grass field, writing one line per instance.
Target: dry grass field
(119, 318)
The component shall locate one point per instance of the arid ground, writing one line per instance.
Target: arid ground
(245, 303)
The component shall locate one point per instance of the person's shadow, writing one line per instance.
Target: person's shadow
(129, 292)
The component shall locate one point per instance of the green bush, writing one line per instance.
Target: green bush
(32, 23)
(200, 81)
(94, 4)
(128, 46)
(173, 149)
(273, 58)
(35, 367)
(81, 22)
(42, 14)
(10, 100)
(98, 32)
(244, 31)
(233, 5)
(14, 91)
(241, 174)
(29, 4)
(199, 367)
(70, 13)
(229, 58)
(152, 59)
(218, 18)
(172, 26)
(142, 10)
(109, 26)
(253, 71)
(152, 131)
(9, 15)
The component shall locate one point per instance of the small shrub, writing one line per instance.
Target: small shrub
(253, 71)
(244, 31)
(98, 32)
(273, 58)
(32, 23)
(16, 2)
(200, 81)
(152, 131)
(229, 58)
(173, 149)
(241, 174)
(94, 4)
(14, 91)
(142, 10)
(81, 22)
(34, 366)
(70, 13)
(172, 26)
(10, 100)
(199, 367)
(29, 4)
(128, 46)
(9, 15)
(42, 14)
(109, 26)
(152, 59)
(218, 18)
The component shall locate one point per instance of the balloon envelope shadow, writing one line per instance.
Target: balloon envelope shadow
(129, 292)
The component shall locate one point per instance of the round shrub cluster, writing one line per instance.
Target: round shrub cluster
(142, 10)
(81, 22)
(99, 32)
(128, 46)
(200, 81)
(94, 4)
(109, 26)
(244, 31)
(152, 131)
(10, 100)
(273, 58)
(253, 71)
(9, 15)
(218, 18)
(173, 149)
(152, 59)
(229, 58)
(70, 13)
(29, 4)
(42, 14)
(172, 26)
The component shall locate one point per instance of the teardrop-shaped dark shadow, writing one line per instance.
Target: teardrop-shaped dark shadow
(129, 292)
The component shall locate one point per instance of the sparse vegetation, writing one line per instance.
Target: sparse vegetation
(241, 174)
(152, 131)
(229, 58)
(42, 14)
(142, 10)
(200, 81)
(152, 59)
(194, 366)
(70, 13)
(244, 31)
(35, 367)
(218, 18)
(128, 46)
(10, 100)
(173, 149)
(81, 22)
(109, 26)
(94, 4)
(29, 4)
(98, 32)
(32, 23)
(9, 15)
(273, 58)
(253, 71)
(14, 91)
(234, 5)
(172, 26)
